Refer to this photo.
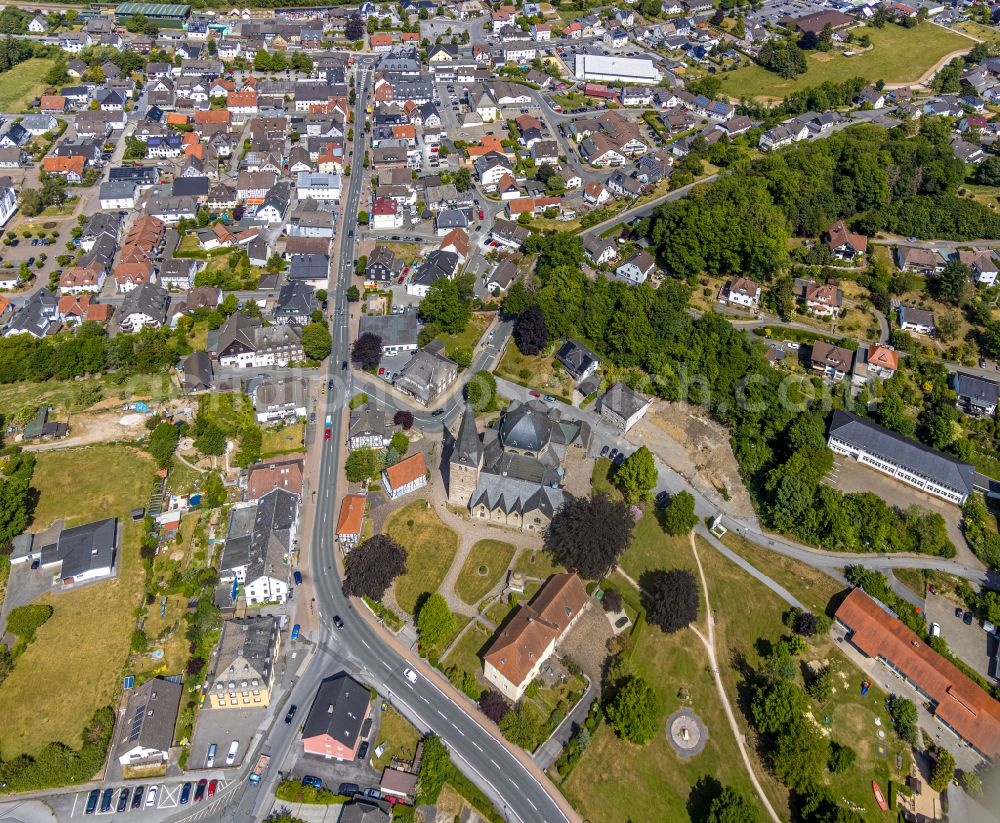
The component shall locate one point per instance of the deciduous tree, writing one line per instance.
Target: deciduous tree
(435, 622)
(367, 351)
(373, 566)
(634, 710)
(672, 600)
(587, 535)
(637, 476)
(530, 332)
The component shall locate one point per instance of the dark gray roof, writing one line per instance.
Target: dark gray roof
(368, 420)
(394, 329)
(263, 543)
(150, 716)
(624, 402)
(339, 710)
(86, 547)
(896, 449)
(426, 372)
(245, 652)
(296, 298)
(977, 391)
(468, 449)
(309, 267)
(197, 372)
(511, 494)
(576, 357)
(190, 187)
(525, 426)
(363, 811)
(149, 299)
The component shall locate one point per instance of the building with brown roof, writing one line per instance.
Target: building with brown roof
(815, 23)
(281, 473)
(406, 476)
(955, 700)
(518, 650)
(823, 300)
(351, 521)
(844, 244)
(831, 361)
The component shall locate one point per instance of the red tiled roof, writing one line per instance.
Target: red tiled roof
(406, 471)
(352, 514)
(963, 705)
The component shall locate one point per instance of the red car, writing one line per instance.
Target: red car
(326, 433)
(481, 215)
(535, 393)
(212, 787)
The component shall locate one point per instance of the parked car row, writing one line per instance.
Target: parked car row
(103, 802)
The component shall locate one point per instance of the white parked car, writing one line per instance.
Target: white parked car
(151, 796)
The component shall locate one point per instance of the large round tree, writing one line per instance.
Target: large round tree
(587, 535)
(367, 351)
(373, 566)
(530, 331)
(672, 600)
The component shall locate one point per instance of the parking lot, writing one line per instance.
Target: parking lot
(222, 727)
(967, 641)
(142, 799)
(850, 476)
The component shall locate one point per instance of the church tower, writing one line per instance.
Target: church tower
(466, 460)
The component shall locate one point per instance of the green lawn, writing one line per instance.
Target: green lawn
(285, 440)
(465, 655)
(652, 548)
(430, 545)
(399, 736)
(484, 567)
(540, 372)
(21, 84)
(536, 563)
(745, 611)
(468, 337)
(61, 394)
(81, 651)
(897, 55)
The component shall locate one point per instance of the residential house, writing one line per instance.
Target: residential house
(283, 473)
(833, 362)
(844, 244)
(916, 320)
(921, 260)
(622, 407)
(406, 476)
(350, 523)
(637, 268)
(578, 360)
(742, 291)
(427, 374)
(145, 734)
(278, 399)
(333, 726)
(258, 544)
(144, 307)
(241, 672)
(984, 267)
(823, 299)
(976, 397)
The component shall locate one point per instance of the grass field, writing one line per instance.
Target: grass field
(897, 55)
(465, 655)
(536, 564)
(617, 781)
(21, 84)
(284, 440)
(430, 545)
(399, 736)
(978, 30)
(745, 611)
(80, 652)
(61, 394)
(485, 565)
(468, 337)
(540, 372)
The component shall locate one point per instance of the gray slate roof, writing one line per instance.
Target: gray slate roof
(338, 710)
(896, 449)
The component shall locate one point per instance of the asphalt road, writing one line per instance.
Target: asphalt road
(484, 759)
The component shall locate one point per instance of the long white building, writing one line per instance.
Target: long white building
(622, 69)
(906, 460)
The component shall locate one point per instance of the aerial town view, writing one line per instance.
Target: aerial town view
(496, 411)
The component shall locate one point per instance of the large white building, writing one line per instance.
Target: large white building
(621, 69)
(317, 186)
(889, 452)
(258, 544)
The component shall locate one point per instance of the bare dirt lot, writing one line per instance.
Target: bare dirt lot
(698, 449)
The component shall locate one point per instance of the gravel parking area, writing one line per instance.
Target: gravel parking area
(850, 476)
(222, 727)
(969, 643)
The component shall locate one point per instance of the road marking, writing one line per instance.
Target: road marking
(474, 743)
(512, 783)
(385, 664)
(75, 798)
(441, 713)
(497, 765)
(532, 804)
(366, 644)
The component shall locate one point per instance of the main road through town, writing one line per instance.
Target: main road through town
(482, 757)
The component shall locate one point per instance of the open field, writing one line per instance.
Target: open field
(541, 372)
(284, 440)
(80, 652)
(536, 563)
(431, 547)
(745, 611)
(465, 655)
(469, 336)
(616, 781)
(483, 569)
(21, 84)
(987, 34)
(897, 55)
(398, 735)
(61, 394)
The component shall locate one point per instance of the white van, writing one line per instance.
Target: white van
(935, 629)
(231, 757)
(210, 760)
